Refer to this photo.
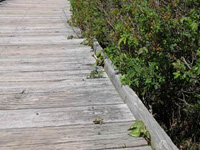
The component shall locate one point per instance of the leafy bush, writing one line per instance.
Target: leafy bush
(155, 45)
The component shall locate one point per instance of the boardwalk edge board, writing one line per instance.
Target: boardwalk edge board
(159, 138)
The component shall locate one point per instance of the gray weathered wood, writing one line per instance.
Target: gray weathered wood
(63, 116)
(59, 99)
(75, 134)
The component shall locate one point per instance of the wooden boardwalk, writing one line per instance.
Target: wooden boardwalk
(46, 100)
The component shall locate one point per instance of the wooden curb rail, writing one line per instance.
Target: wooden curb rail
(159, 138)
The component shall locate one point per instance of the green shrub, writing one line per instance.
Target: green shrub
(155, 45)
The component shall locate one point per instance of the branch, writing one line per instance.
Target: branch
(186, 63)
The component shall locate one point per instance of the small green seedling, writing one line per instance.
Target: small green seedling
(70, 37)
(98, 121)
(85, 42)
(138, 129)
(95, 74)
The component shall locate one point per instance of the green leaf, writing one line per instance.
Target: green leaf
(135, 132)
(138, 124)
(121, 40)
(143, 50)
(194, 26)
(176, 74)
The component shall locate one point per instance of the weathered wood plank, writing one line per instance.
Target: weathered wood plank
(41, 51)
(62, 46)
(57, 85)
(52, 89)
(136, 148)
(28, 26)
(38, 40)
(47, 67)
(59, 99)
(63, 116)
(39, 58)
(12, 22)
(39, 32)
(103, 144)
(48, 87)
(65, 83)
(115, 133)
(73, 54)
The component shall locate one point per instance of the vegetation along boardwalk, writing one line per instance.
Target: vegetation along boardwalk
(46, 100)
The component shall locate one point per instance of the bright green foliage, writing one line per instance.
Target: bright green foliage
(156, 47)
(138, 129)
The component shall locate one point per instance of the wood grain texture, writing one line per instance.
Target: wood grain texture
(63, 116)
(47, 101)
(59, 99)
(76, 133)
